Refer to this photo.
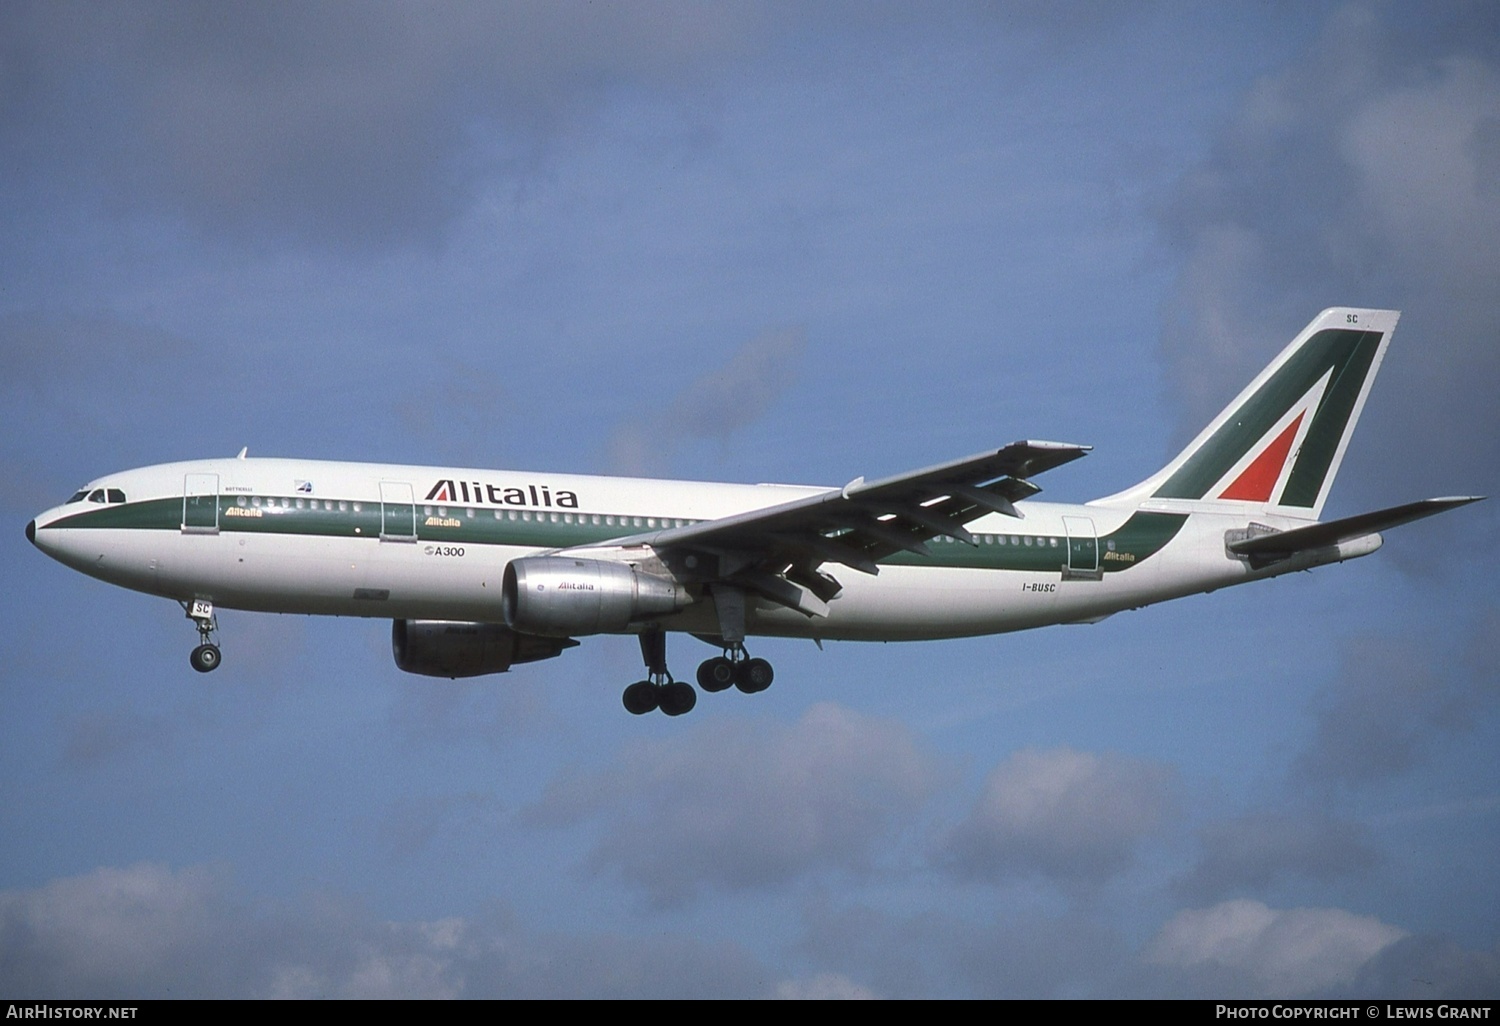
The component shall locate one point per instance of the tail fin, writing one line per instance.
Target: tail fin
(1277, 447)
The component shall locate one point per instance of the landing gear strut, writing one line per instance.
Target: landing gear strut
(659, 690)
(735, 666)
(206, 657)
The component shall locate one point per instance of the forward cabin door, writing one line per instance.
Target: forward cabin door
(200, 504)
(398, 512)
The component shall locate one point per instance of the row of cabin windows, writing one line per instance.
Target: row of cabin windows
(1006, 539)
(595, 519)
(256, 502)
(528, 516)
(109, 495)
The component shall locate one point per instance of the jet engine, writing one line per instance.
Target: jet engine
(558, 596)
(447, 648)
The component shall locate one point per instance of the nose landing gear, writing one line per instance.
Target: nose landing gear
(206, 657)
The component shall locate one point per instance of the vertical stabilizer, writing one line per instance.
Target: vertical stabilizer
(1277, 447)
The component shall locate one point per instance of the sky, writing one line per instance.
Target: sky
(750, 242)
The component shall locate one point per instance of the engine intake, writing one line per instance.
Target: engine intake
(559, 596)
(448, 648)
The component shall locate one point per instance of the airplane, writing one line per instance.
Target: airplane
(482, 570)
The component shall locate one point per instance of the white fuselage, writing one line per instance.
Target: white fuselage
(397, 542)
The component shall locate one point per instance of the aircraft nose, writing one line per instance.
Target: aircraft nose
(31, 531)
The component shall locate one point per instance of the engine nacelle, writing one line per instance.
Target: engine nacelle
(560, 596)
(447, 648)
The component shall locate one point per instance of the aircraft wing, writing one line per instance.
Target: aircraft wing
(777, 551)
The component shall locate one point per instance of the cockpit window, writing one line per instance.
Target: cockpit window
(97, 495)
(78, 496)
(115, 495)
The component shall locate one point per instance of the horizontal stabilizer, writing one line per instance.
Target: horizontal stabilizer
(1317, 536)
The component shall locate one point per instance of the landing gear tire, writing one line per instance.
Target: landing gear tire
(716, 674)
(206, 658)
(753, 675)
(641, 697)
(677, 698)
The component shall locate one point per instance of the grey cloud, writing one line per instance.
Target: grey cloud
(55, 355)
(1012, 955)
(1392, 702)
(445, 712)
(1428, 967)
(1362, 174)
(742, 806)
(334, 123)
(1256, 850)
(97, 736)
(712, 406)
(1072, 816)
(147, 931)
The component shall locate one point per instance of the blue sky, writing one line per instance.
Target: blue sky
(750, 242)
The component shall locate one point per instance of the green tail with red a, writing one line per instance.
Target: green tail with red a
(1278, 446)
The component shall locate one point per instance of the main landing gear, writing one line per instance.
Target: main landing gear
(206, 656)
(735, 668)
(659, 690)
(675, 697)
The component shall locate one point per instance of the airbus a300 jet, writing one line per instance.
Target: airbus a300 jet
(481, 570)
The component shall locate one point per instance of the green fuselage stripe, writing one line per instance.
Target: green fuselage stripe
(1141, 536)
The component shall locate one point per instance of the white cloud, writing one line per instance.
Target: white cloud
(148, 931)
(1247, 949)
(1065, 814)
(824, 987)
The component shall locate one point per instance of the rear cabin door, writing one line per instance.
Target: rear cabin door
(1083, 549)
